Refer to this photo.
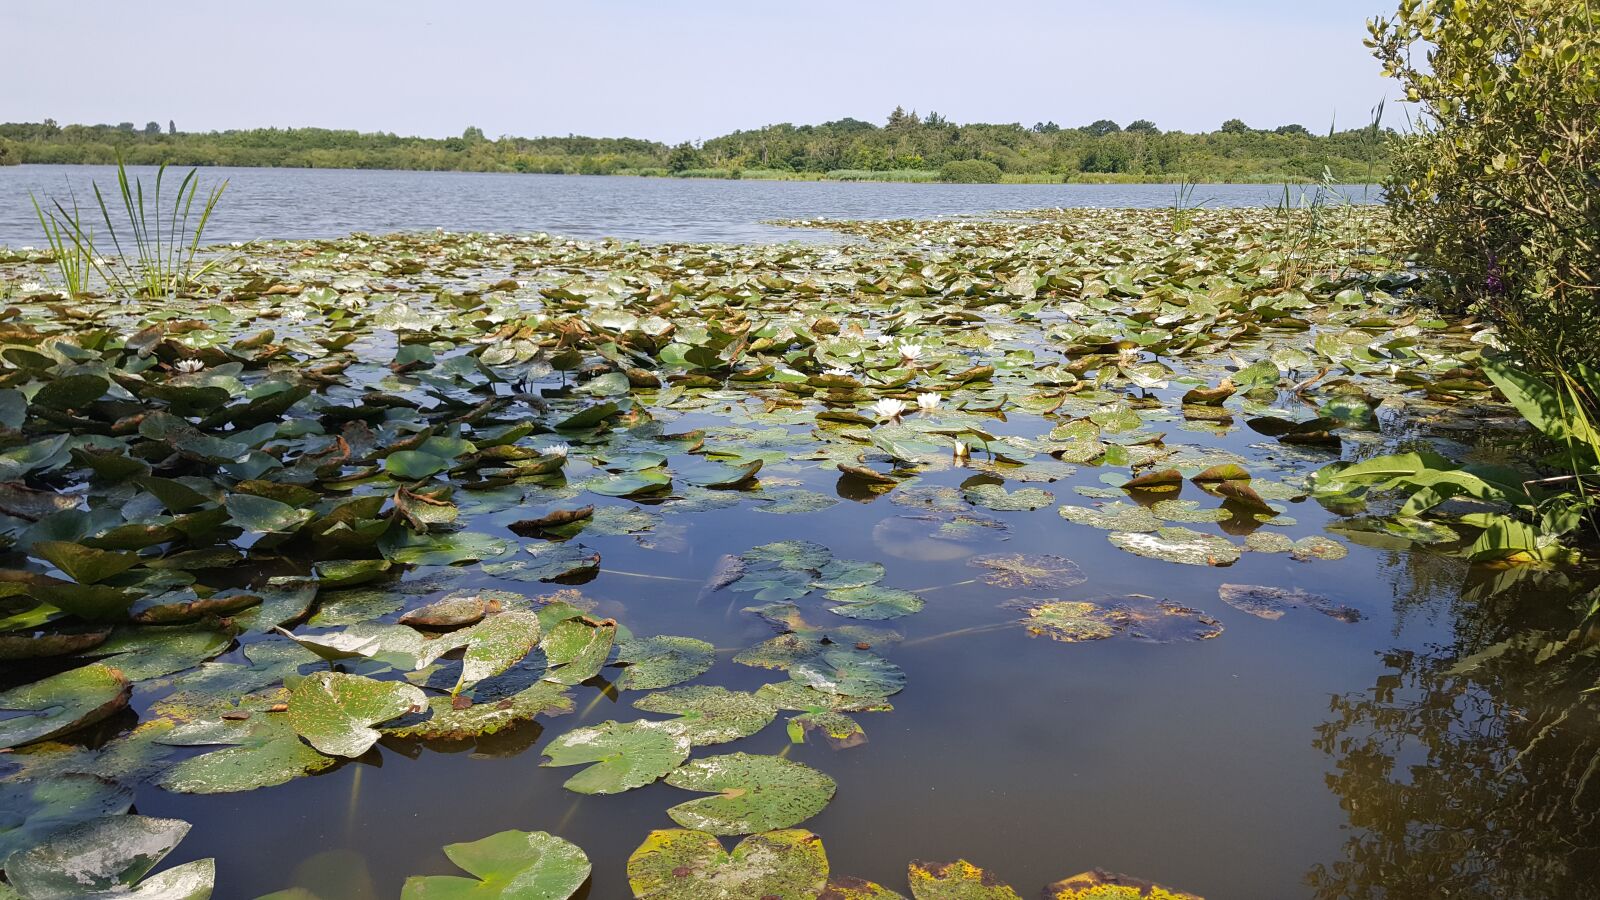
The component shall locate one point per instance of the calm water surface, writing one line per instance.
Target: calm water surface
(306, 203)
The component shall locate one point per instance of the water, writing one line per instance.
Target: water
(309, 203)
(1302, 757)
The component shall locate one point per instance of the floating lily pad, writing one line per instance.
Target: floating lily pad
(32, 811)
(678, 864)
(1271, 603)
(1180, 545)
(996, 497)
(107, 857)
(710, 714)
(959, 880)
(1098, 884)
(260, 751)
(335, 712)
(577, 649)
(874, 602)
(1128, 517)
(658, 662)
(1017, 571)
(625, 755)
(62, 703)
(511, 865)
(850, 673)
(754, 793)
(1072, 621)
(1317, 547)
(496, 644)
(446, 719)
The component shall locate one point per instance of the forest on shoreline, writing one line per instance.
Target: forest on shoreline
(908, 147)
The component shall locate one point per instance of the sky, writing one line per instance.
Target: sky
(685, 70)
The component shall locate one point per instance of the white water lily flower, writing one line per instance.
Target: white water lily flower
(189, 365)
(560, 450)
(839, 372)
(962, 450)
(928, 402)
(889, 408)
(31, 286)
(910, 352)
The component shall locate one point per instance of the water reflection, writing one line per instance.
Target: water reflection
(1472, 770)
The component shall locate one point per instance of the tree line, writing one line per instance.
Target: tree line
(905, 142)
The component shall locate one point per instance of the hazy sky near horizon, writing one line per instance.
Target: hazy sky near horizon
(686, 70)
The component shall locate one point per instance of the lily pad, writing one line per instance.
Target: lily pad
(1017, 571)
(679, 864)
(710, 714)
(874, 602)
(850, 673)
(335, 712)
(959, 880)
(625, 755)
(32, 811)
(1179, 545)
(62, 703)
(754, 793)
(107, 857)
(658, 662)
(511, 865)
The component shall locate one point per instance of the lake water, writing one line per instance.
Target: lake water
(307, 203)
(1365, 754)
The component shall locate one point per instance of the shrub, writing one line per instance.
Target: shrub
(970, 171)
(10, 153)
(1499, 187)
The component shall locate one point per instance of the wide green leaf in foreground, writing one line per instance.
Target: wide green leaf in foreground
(511, 865)
(752, 793)
(335, 712)
(678, 864)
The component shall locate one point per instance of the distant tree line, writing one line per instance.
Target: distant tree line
(907, 141)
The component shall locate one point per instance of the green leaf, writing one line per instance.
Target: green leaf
(82, 564)
(261, 751)
(625, 756)
(959, 880)
(754, 793)
(874, 602)
(511, 865)
(710, 714)
(107, 857)
(62, 703)
(678, 864)
(850, 673)
(658, 662)
(335, 712)
(264, 515)
(578, 648)
(32, 811)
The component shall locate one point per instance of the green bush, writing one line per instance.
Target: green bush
(970, 171)
(10, 153)
(1499, 186)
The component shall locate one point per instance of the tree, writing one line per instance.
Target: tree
(1235, 126)
(1497, 188)
(1046, 128)
(125, 126)
(934, 120)
(172, 127)
(152, 129)
(1103, 128)
(684, 157)
(1291, 129)
(473, 135)
(900, 119)
(1143, 126)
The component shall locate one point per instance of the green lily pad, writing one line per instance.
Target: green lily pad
(511, 865)
(755, 793)
(83, 564)
(658, 662)
(62, 703)
(678, 864)
(710, 714)
(335, 712)
(1072, 621)
(1015, 570)
(107, 857)
(261, 751)
(1129, 517)
(850, 673)
(995, 497)
(874, 602)
(577, 649)
(625, 755)
(959, 880)
(842, 574)
(1179, 545)
(496, 644)
(32, 811)
(489, 712)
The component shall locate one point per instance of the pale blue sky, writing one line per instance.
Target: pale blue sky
(684, 70)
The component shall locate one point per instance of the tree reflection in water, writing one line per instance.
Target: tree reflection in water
(1473, 770)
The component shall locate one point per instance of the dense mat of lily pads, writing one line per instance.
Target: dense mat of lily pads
(299, 465)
